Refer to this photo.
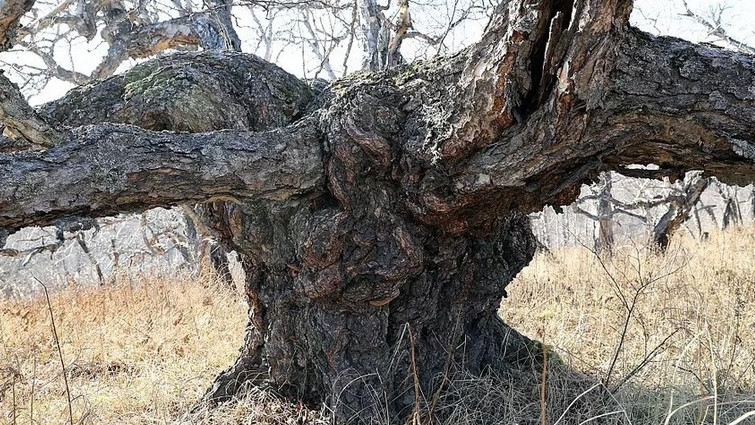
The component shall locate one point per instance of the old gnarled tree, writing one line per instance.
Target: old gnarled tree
(380, 219)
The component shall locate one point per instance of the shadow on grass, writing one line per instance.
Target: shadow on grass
(568, 397)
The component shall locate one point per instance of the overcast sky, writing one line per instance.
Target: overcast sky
(665, 16)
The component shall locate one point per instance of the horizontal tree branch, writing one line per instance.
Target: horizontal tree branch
(579, 210)
(631, 214)
(637, 204)
(656, 100)
(196, 92)
(681, 106)
(109, 169)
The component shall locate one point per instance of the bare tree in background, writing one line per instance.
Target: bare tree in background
(607, 208)
(732, 213)
(679, 200)
(124, 30)
(714, 22)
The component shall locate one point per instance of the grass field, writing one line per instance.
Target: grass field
(668, 337)
(141, 351)
(659, 330)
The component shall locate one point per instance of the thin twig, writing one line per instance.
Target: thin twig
(654, 352)
(446, 369)
(33, 381)
(675, 411)
(13, 393)
(574, 401)
(603, 415)
(740, 420)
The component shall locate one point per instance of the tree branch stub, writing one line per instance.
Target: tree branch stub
(21, 122)
(11, 12)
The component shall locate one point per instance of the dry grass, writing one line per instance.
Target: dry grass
(690, 333)
(143, 352)
(138, 352)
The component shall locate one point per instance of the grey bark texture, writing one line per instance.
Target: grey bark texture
(11, 12)
(380, 220)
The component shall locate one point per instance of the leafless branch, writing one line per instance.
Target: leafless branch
(715, 28)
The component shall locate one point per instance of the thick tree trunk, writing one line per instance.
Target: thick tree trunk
(378, 231)
(347, 306)
(357, 309)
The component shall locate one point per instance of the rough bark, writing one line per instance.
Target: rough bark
(378, 230)
(103, 170)
(682, 106)
(191, 92)
(21, 122)
(111, 169)
(292, 253)
(10, 13)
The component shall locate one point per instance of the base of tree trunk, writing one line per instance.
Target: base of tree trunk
(372, 327)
